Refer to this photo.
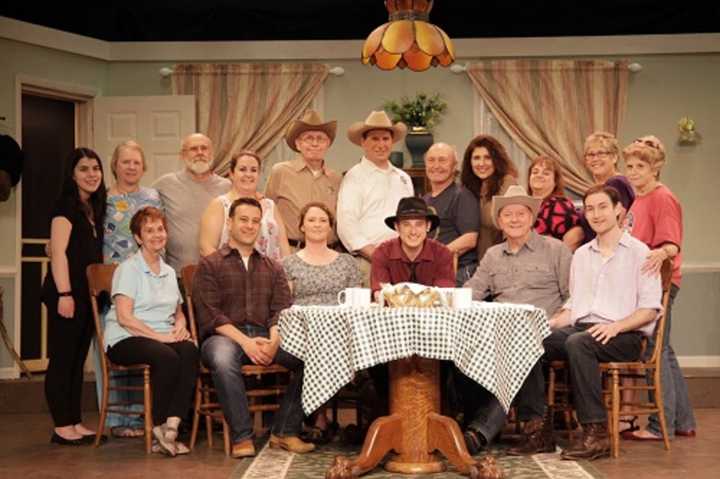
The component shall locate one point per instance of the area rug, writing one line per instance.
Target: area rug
(273, 463)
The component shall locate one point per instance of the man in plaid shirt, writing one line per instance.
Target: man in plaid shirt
(239, 294)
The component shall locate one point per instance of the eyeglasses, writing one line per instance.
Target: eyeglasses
(598, 154)
(321, 139)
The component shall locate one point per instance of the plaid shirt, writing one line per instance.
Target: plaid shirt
(224, 292)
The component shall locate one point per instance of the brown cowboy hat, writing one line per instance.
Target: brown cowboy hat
(515, 195)
(377, 120)
(310, 121)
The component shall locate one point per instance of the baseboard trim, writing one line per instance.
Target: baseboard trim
(699, 361)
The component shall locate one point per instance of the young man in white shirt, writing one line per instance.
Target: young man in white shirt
(612, 304)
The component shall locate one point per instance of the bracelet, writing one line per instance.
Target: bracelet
(65, 293)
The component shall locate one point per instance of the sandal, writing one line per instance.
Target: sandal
(166, 446)
(630, 421)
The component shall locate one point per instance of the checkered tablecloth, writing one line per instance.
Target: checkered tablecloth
(494, 344)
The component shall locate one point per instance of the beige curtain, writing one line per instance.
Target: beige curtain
(549, 106)
(247, 106)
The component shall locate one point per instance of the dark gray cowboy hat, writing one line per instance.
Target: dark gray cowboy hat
(413, 207)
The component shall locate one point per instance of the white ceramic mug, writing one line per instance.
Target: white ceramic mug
(447, 296)
(462, 298)
(357, 297)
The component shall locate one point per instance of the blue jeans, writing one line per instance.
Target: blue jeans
(224, 357)
(679, 415)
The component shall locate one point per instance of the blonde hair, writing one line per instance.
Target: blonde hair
(603, 138)
(652, 155)
(129, 145)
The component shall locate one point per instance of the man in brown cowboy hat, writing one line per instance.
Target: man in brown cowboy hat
(371, 190)
(307, 178)
(529, 269)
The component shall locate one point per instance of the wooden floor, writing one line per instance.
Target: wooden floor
(26, 453)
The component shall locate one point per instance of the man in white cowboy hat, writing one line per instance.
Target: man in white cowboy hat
(529, 269)
(372, 189)
(295, 183)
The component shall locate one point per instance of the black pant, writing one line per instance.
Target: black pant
(173, 370)
(68, 344)
(583, 354)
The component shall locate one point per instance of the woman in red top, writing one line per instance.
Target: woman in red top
(557, 216)
(655, 218)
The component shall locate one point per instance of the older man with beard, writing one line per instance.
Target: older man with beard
(185, 195)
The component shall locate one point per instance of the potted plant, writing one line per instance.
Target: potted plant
(421, 114)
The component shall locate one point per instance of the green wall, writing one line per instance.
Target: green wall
(668, 87)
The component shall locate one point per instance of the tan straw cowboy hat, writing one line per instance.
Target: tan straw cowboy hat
(377, 120)
(310, 121)
(515, 195)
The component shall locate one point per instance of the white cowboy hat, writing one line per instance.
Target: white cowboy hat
(515, 195)
(377, 120)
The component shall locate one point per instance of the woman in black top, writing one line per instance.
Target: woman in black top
(75, 242)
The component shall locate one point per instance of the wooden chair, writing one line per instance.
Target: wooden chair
(559, 391)
(639, 371)
(205, 403)
(100, 281)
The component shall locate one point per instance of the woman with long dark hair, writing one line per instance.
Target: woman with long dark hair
(487, 170)
(76, 236)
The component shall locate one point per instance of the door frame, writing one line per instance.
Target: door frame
(83, 97)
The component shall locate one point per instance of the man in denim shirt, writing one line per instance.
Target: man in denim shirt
(239, 294)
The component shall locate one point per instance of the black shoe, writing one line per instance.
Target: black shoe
(90, 439)
(58, 439)
(474, 441)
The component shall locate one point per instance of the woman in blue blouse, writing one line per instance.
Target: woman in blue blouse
(146, 325)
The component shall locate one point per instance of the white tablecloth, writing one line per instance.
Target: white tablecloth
(494, 344)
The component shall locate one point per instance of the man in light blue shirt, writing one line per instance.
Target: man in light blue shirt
(612, 305)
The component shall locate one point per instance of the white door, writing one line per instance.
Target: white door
(158, 123)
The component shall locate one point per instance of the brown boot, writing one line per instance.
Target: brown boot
(595, 443)
(291, 443)
(537, 437)
(244, 448)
